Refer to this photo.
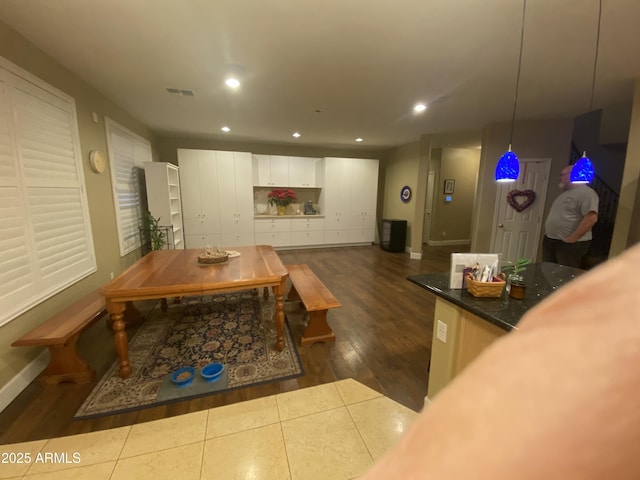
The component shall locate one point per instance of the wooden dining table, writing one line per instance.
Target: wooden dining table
(165, 274)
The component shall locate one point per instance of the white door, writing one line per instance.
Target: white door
(428, 208)
(516, 234)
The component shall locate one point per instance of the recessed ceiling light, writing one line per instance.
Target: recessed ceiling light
(359, 139)
(225, 129)
(232, 82)
(419, 107)
(296, 134)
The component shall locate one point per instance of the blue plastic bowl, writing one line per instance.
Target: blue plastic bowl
(183, 376)
(212, 371)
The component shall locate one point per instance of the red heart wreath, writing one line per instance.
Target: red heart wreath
(529, 196)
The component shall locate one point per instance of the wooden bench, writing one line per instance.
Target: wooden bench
(316, 298)
(60, 333)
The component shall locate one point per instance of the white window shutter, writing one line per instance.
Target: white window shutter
(45, 232)
(127, 154)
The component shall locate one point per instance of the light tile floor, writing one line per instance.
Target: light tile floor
(331, 431)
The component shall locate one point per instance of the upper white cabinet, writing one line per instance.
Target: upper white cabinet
(305, 172)
(284, 171)
(270, 171)
(163, 198)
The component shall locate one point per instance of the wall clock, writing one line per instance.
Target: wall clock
(97, 161)
(405, 194)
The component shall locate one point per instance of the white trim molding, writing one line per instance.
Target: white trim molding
(441, 243)
(17, 384)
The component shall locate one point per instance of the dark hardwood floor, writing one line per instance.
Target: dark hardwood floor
(383, 331)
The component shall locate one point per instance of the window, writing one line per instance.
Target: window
(45, 232)
(127, 154)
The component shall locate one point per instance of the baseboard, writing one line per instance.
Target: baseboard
(427, 401)
(415, 256)
(17, 384)
(441, 243)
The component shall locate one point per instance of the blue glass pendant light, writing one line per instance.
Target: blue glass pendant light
(508, 167)
(583, 171)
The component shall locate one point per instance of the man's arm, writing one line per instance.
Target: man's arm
(587, 222)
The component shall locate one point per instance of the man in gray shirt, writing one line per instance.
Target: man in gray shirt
(568, 227)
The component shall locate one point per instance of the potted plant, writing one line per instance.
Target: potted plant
(516, 285)
(281, 198)
(156, 233)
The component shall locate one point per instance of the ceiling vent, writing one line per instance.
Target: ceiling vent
(181, 92)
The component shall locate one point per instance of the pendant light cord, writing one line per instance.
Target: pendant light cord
(595, 59)
(515, 99)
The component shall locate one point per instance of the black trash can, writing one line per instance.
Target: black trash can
(393, 235)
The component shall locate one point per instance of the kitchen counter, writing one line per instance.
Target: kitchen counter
(505, 312)
(465, 325)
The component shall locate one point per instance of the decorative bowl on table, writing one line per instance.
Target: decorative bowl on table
(183, 376)
(219, 256)
(212, 371)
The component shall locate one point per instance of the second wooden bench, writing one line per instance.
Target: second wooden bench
(316, 298)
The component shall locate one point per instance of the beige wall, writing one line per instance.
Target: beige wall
(17, 50)
(532, 139)
(401, 169)
(451, 221)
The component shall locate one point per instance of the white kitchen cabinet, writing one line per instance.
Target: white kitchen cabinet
(337, 193)
(235, 195)
(364, 200)
(333, 237)
(270, 170)
(273, 231)
(349, 200)
(305, 172)
(201, 212)
(163, 198)
(307, 231)
(218, 191)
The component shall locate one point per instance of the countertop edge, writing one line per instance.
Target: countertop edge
(470, 308)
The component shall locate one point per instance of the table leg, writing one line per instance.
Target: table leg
(279, 314)
(116, 311)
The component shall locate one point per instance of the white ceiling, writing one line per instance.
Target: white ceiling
(362, 64)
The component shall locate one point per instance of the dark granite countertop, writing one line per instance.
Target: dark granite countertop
(505, 312)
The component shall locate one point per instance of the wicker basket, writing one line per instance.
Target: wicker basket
(213, 259)
(486, 289)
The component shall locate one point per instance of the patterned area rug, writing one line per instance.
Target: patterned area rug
(236, 329)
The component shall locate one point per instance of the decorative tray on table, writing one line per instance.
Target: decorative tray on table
(209, 258)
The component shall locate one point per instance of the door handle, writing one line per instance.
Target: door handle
(500, 225)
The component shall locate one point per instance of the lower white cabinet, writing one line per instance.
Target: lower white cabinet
(307, 231)
(336, 236)
(202, 240)
(273, 231)
(237, 239)
(307, 238)
(289, 232)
